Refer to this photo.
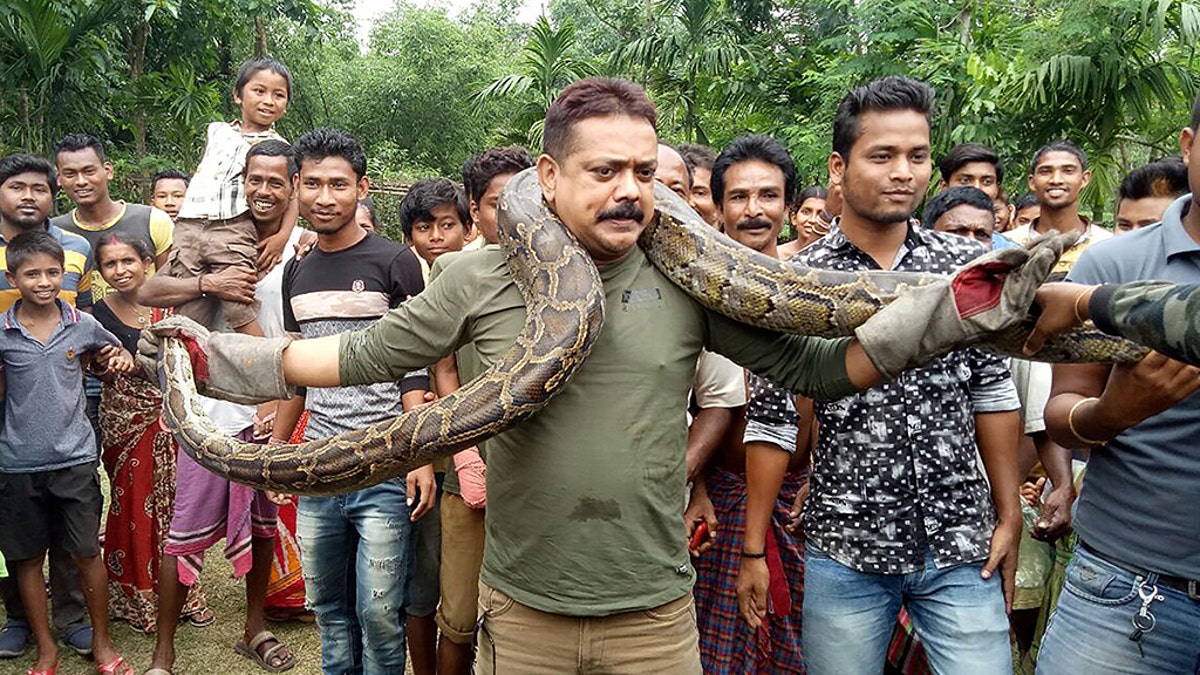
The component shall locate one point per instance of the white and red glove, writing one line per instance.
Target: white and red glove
(985, 296)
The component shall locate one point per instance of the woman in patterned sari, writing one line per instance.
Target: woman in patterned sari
(285, 590)
(137, 451)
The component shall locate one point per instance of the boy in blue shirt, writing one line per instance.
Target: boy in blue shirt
(48, 483)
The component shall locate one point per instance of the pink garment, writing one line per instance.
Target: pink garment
(472, 477)
(209, 507)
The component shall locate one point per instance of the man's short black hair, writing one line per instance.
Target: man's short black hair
(24, 163)
(168, 174)
(965, 153)
(952, 198)
(886, 94)
(77, 142)
(273, 147)
(697, 156)
(254, 64)
(588, 98)
(1059, 146)
(811, 192)
(28, 244)
(491, 163)
(753, 147)
(1025, 201)
(321, 143)
(1164, 178)
(426, 195)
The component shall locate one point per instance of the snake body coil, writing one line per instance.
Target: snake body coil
(565, 300)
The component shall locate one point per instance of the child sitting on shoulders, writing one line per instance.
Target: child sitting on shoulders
(214, 229)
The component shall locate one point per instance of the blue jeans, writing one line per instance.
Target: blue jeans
(849, 617)
(354, 552)
(1089, 631)
(425, 559)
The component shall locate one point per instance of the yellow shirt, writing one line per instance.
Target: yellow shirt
(1091, 235)
(76, 281)
(161, 233)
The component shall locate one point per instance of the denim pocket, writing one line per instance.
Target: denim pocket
(1098, 582)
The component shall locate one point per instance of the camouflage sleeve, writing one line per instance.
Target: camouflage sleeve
(1160, 315)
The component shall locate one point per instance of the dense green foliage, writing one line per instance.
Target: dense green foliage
(428, 89)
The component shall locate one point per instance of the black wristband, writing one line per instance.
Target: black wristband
(1100, 308)
(754, 556)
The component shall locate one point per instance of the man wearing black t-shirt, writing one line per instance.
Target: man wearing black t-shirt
(348, 281)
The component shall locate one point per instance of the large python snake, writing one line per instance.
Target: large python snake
(565, 300)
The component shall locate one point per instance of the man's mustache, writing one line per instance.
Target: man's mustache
(626, 211)
(754, 223)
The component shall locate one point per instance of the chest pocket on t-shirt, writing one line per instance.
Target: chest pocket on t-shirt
(641, 299)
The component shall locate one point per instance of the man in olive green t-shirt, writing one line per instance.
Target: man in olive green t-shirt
(586, 566)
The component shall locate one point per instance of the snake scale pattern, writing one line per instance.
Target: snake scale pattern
(565, 300)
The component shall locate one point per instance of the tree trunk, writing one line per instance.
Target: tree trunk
(23, 111)
(137, 68)
(964, 26)
(260, 36)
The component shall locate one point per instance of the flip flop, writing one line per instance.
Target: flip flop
(158, 671)
(117, 665)
(51, 671)
(201, 619)
(263, 660)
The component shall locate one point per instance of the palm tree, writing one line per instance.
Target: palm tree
(547, 65)
(48, 51)
(1115, 83)
(684, 60)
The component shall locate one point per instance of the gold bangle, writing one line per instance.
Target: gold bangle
(1071, 421)
(1075, 305)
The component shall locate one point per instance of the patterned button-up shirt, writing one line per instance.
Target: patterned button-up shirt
(216, 191)
(896, 470)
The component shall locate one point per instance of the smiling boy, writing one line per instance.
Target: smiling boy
(215, 229)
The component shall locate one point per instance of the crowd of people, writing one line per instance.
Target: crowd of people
(702, 497)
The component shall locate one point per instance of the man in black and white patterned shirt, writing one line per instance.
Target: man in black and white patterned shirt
(899, 513)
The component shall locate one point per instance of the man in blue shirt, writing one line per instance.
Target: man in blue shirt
(1131, 602)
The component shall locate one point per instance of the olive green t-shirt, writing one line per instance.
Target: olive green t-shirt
(468, 368)
(585, 498)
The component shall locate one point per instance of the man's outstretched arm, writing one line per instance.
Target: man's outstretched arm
(985, 296)
(245, 369)
(1160, 315)
(313, 363)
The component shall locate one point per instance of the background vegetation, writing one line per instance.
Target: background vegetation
(428, 89)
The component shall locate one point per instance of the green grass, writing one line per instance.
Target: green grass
(198, 650)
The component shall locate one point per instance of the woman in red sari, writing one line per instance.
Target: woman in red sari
(285, 590)
(137, 451)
